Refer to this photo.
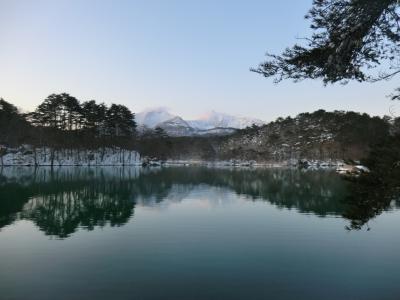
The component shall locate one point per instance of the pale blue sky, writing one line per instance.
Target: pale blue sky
(190, 56)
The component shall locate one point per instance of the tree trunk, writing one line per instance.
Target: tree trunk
(52, 157)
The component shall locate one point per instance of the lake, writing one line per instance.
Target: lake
(193, 233)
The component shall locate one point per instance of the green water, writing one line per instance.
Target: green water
(193, 233)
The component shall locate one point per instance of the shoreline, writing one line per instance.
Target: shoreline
(180, 163)
(29, 156)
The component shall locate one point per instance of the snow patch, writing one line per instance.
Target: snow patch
(29, 156)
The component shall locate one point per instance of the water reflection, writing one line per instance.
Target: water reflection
(368, 198)
(60, 201)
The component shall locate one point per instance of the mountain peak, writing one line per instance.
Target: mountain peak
(213, 119)
(152, 117)
(161, 116)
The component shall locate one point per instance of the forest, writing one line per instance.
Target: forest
(61, 121)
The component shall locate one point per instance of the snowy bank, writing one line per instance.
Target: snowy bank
(29, 156)
(353, 170)
(304, 164)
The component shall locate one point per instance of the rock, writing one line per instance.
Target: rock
(352, 170)
(44, 156)
(303, 164)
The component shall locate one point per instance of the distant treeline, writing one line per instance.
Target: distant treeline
(62, 121)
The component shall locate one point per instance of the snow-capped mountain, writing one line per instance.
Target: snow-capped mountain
(177, 127)
(212, 123)
(152, 117)
(214, 119)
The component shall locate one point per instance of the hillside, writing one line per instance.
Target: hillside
(319, 135)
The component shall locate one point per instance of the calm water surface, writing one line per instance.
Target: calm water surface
(193, 233)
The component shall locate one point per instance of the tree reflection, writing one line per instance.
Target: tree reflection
(12, 200)
(61, 201)
(60, 214)
(368, 198)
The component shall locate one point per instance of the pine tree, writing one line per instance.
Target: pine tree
(48, 113)
(350, 38)
(72, 112)
(58, 111)
(13, 126)
(120, 121)
(160, 133)
(7, 112)
(94, 117)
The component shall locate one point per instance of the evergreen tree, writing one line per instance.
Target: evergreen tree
(350, 38)
(58, 111)
(13, 126)
(120, 121)
(94, 116)
(48, 113)
(8, 112)
(160, 133)
(72, 112)
(396, 126)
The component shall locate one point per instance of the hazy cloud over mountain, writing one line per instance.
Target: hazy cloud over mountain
(206, 123)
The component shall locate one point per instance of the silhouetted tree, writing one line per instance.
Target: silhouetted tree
(350, 37)
(58, 111)
(72, 112)
(14, 128)
(120, 121)
(62, 121)
(160, 133)
(94, 116)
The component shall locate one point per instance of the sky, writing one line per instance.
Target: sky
(189, 56)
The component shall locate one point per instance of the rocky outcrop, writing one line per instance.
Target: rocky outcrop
(27, 155)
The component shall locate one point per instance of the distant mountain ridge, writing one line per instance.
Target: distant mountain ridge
(320, 136)
(152, 117)
(211, 123)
